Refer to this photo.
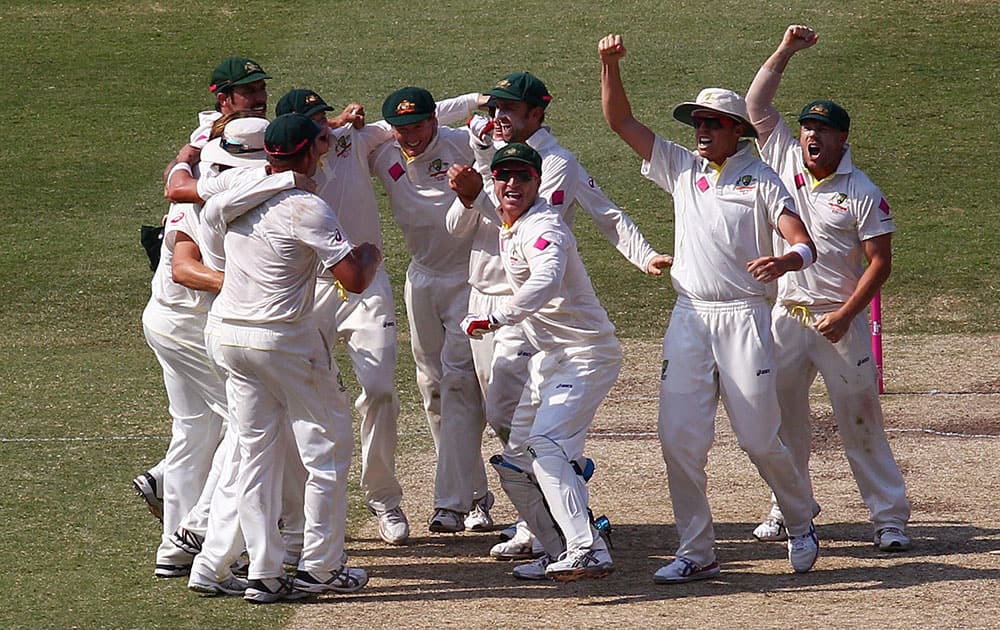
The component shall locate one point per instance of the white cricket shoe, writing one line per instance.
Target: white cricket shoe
(510, 531)
(145, 486)
(445, 521)
(581, 563)
(803, 550)
(771, 529)
(534, 570)
(270, 590)
(522, 546)
(683, 570)
(205, 585)
(343, 580)
(479, 519)
(393, 527)
(892, 539)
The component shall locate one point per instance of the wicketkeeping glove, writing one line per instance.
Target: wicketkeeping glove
(481, 128)
(476, 326)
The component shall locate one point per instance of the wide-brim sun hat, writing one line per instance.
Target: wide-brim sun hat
(241, 144)
(719, 101)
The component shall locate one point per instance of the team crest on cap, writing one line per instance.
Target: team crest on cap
(820, 109)
(250, 67)
(311, 99)
(405, 107)
(503, 84)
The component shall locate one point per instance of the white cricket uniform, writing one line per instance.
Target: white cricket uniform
(437, 298)
(567, 187)
(174, 324)
(719, 340)
(366, 322)
(840, 212)
(576, 363)
(281, 371)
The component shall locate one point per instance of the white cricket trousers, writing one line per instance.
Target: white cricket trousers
(548, 432)
(197, 403)
(224, 540)
(714, 349)
(851, 379)
(285, 374)
(501, 360)
(436, 304)
(366, 324)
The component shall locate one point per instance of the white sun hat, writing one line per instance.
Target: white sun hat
(719, 101)
(241, 144)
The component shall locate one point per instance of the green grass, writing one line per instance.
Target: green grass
(97, 99)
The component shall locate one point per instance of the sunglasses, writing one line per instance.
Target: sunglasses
(520, 175)
(712, 122)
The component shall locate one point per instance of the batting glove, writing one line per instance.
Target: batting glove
(476, 326)
(481, 128)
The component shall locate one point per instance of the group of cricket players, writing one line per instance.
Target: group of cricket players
(272, 255)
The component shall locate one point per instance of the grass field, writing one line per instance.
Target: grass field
(98, 96)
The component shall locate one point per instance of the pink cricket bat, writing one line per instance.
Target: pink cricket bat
(877, 337)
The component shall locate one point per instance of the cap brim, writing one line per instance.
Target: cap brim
(684, 111)
(312, 111)
(515, 159)
(250, 78)
(823, 119)
(215, 154)
(407, 119)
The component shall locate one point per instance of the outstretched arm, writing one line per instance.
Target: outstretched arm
(762, 113)
(614, 102)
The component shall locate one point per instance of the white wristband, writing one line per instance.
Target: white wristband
(805, 252)
(180, 166)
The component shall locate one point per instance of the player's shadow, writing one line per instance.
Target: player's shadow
(457, 568)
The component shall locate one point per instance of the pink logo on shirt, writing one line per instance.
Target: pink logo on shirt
(396, 171)
(883, 206)
(558, 197)
(703, 184)
(178, 218)
(800, 180)
(541, 243)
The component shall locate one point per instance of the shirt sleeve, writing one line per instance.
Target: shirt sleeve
(873, 213)
(616, 226)
(666, 163)
(317, 226)
(779, 147)
(457, 109)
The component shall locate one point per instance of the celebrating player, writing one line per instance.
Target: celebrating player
(819, 320)
(726, 205)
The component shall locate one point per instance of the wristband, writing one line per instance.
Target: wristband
(805, 252)
(180, 166)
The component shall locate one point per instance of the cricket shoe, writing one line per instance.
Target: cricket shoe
(205, 585)
(445, 521)
(534, 570)
(683, 570)
(393, 527)
(479, 519)
(146, 487)
(509, 532)
(522, 546)
(581, 564)
(343, 580)
(187, 540)
(803, 550)
(271, 590)
(892, 539)
(171, 570)
(771, 529)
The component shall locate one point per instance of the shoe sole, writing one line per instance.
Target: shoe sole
(511, 557)
(572, 575)
(319, 589)
(894, 548)
(441, 529)
(212, 590)
(480, 528)
(166, 572)
(271, 598)
(782, 537)
(694, 577)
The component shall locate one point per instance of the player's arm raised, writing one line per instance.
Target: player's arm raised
(761, 93)
(614, 102)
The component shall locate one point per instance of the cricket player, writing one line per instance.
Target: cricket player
(576, 361)
(413, 169)
(281, 371)
(519, 102)
(819, 320)
(237, 84)
(727, 203)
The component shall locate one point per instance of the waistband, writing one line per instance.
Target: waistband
(721, 306)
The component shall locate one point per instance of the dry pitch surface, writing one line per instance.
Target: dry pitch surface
(942, 410)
